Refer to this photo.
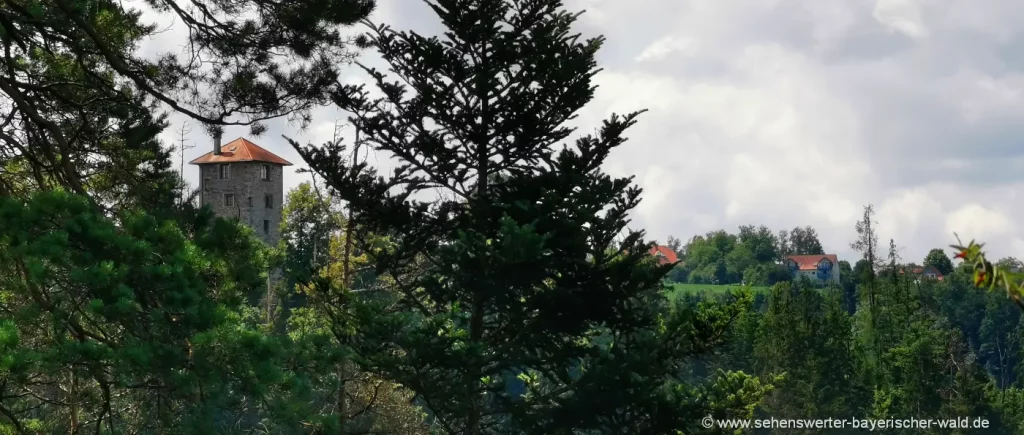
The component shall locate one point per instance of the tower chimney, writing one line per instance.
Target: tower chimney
(216, 142)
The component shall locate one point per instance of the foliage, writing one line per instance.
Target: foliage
(315, 242)
(939, 260)
(79, 95)
(372, 404)
(867, 241)
(129, 325)
(999, 338)
(516, 302)
(752, 255)
(766, 274)
(988, 275)
(520, 276)
(133, 325)
(804, 241)
(944, 350)
(679, 273)
(862, 271)
(1010, 263)
(760, 242)
(675, 245)
(818, 380)
(308, 223)
(848, 282)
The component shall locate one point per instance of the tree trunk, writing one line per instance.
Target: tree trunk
(73, 400)
(476, 322)
(347, 284)
(476, 326)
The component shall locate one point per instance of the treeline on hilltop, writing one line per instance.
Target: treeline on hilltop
(487, 285)
(885, 343)
(753, 255)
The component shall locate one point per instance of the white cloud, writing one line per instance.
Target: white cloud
(807, 110)
(911, 215)
(799, 112)
(975, 221)
(665, 46)
(903, 16)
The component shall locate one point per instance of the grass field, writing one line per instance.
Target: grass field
(678, 287)
(678, 290)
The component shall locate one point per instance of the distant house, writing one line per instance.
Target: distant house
(926, 272)
(820, 269)
(664, 254)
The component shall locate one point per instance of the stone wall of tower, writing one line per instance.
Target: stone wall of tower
(250, 193)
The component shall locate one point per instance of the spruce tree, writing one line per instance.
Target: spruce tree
(520, 302)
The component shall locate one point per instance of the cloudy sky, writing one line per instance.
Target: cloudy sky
(794, 112)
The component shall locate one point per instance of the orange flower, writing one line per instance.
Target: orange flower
(961, 254)
(980, 278)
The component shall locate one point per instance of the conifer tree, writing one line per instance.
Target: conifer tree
(520, 302)
(78, 91)
(126, 325)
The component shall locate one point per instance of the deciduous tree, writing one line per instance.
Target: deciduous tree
(760, 241)
(804, 241)
(938, 259)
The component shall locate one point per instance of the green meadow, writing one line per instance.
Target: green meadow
(697, 288)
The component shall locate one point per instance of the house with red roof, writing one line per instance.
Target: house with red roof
(664, 254)
(821, 269)
(926, 272)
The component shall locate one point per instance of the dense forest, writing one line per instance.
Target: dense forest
(883, 343)
(488, 284)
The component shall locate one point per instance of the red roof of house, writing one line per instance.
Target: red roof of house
(922, 270)
(810, 262)
(666, 254)
(240, 150)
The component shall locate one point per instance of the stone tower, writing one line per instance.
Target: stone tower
(242, 180)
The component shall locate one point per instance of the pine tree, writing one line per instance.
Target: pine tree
(520, 301)
(75, 82)
(126, 325)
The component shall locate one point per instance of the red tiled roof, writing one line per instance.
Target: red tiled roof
(240, 150)
(667, 255)
(922, 270)
(810, 262)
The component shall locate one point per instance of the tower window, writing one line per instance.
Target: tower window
(266, 226)
(225, 171)
(229, 200)
(265, 172)
(268, 201)
(250, 201)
